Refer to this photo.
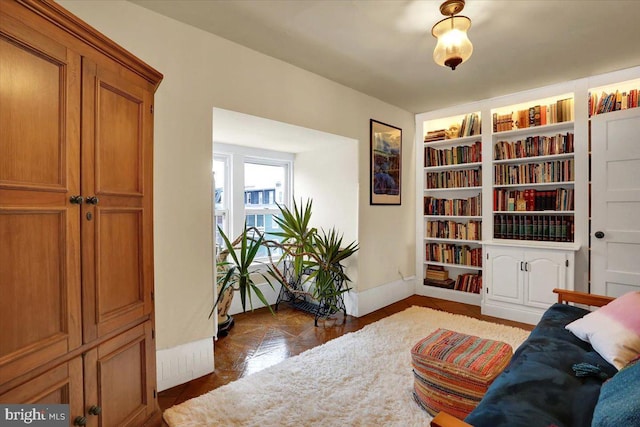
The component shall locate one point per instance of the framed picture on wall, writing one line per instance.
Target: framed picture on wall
(386, 164)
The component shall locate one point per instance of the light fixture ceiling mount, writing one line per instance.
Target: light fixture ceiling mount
(453, 47)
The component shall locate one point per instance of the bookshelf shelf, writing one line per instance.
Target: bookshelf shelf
(453, 141)
(462, 266)
(554, 127)
(536, 159)
(536, 185)
(442, 217)
(474, 165)
(438, 239)
(535, 212)
(452, 189)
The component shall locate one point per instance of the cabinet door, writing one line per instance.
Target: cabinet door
(117, 258)
(546, 270)
(504, 275)
(60, 385)
(120, 379)
(39, 227)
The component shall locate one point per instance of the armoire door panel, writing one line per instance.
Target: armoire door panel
(117, 242)
(35, 80)
(123, 403)
(39, 312)
(119, 276)
(118, 142)
(60, 385)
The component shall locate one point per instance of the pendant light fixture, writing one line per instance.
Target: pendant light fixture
(453, 46)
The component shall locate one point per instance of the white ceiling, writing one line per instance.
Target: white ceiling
(384, 47)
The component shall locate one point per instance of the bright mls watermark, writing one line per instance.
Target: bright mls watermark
(54, 415)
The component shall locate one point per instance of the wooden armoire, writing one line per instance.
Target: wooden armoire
(76, 220)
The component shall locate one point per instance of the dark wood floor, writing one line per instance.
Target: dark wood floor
(260, 339)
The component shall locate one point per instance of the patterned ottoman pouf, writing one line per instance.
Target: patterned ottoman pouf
(453, 371)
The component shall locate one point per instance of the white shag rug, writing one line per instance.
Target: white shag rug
(363, 378)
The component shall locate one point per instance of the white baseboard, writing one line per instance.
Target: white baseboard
(183, 363)
(376, 298)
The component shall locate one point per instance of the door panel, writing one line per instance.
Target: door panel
(34, 83)
(119, 141)
(119, 276)
(504, 276)
(123, 403)
(545, 271)
(62, 384)
(117, 252)
(39, 227)
(615, 203)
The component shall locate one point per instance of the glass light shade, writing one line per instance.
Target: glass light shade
(454, 47)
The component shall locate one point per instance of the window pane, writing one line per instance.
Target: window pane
(264, 185)
(222, 223)
(219, 173)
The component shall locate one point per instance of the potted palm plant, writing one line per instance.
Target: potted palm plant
(311, 269)
(236, 270)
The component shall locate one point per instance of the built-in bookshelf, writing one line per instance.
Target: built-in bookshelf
(452, 205)
(531, 207)
(534, 171)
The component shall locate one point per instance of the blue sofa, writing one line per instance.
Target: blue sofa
(539, 388)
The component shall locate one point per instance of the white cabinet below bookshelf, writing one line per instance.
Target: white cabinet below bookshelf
(519, 280)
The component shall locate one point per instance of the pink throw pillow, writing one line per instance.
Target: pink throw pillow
(612, 330)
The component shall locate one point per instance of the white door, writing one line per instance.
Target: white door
(615, 202)
(505, 267)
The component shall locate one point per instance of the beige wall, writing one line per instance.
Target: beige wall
(203, 71)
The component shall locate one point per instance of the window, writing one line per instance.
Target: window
(248, 183)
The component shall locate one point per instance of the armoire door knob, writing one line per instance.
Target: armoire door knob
(92, 200)
(76, 200)
(599, 234)
(95, 410)
(80, 421)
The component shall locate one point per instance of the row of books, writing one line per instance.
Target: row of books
(471, 230)
(471, 206)
(471, 125)
(537, 115)
(533, 146)
(450, 253)
(534, 227)
(454, 179)
(453, 156)
(468, 282)
(560, 199)
(533, 173)
(613, 101)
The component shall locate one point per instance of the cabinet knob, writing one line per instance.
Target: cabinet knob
(599, 234)
(92, 200)
(95, 410)
(80, 421)
(76, 200)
